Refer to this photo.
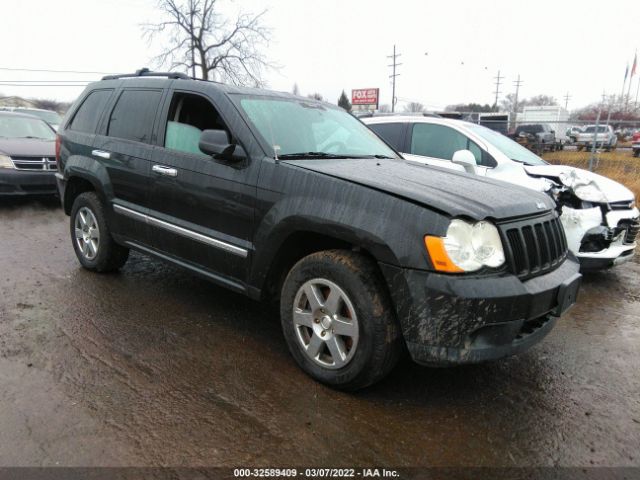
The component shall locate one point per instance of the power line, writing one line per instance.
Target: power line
(2, 84)
(51, 71)
(393, 76)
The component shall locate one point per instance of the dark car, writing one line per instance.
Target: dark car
(27, 155)
(294, 201)
(536, 136)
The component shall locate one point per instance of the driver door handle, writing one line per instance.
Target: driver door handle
(166, 171)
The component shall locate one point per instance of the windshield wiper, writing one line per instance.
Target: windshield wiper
(310, 155)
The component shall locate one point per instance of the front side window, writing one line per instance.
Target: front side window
(436, 141)
(392, 133)
(132, 117)
(88, 115)
(189, 115)
(292, 127)
(439, 141)
(24, 127)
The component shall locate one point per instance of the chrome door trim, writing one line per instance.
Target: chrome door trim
(214, 242)
(166, 171)
(101, 154)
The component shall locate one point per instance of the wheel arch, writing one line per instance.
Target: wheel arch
(286, 247)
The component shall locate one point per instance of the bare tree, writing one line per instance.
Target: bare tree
(295, 90)
(414, 107)
(316, 96)
(199, 37)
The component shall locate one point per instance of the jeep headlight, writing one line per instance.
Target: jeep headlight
(467, 247)
(5, 162)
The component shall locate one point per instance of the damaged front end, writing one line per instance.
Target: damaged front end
(599, 232)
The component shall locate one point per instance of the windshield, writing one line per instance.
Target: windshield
(291, 127)
(507, 146)
(592, 129)
(23, 127)
(48, 116)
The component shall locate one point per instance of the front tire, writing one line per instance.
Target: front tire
(338, 320)
(91, 237)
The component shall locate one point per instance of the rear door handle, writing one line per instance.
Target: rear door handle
(166, 171)
(101, 154)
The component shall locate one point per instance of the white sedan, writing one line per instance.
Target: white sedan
(599, 215)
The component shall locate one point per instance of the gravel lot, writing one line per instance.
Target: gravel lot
(153, 366)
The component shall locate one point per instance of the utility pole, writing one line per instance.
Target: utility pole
(393, 76)
(517, 84)
(567, 97)
(497, 83)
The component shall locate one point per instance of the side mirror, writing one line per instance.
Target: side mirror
(552, 131)
(216, 143)
(467, 159)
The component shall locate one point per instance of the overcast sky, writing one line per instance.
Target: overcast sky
(451, 50)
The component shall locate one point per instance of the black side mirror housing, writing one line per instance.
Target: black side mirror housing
(217, 144)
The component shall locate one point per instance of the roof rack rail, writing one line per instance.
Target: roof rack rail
(145, 72)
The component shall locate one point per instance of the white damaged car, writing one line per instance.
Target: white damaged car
(599, 215)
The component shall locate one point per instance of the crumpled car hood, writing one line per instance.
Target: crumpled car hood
(613, 191)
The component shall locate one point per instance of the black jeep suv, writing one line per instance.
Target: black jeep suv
(290, 199)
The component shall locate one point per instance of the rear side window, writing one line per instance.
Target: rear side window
(86, 118)
(132, 117)
(392, 133)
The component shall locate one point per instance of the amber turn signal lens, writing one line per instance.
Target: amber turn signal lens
(438, 254)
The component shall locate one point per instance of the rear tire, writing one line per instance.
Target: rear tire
(339, 291)
(91, 237)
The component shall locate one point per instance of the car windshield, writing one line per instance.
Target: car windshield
(48, 116)
(308, 129)
(24, 127)
(511, 149)
(592, 129)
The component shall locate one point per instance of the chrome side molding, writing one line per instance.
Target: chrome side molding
(185, 232)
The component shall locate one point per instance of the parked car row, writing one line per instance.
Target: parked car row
(455, 251)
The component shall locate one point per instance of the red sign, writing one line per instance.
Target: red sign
(365, 96)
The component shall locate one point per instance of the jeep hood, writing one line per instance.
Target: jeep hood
(455, 193)
(27, 147)
(612, 190)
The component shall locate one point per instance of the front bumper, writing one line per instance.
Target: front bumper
(27, 182)
(452, 320)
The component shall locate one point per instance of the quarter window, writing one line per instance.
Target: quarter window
(132, 117)
(87, 117)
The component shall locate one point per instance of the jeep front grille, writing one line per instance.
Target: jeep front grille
(534, 248)
(35, 163)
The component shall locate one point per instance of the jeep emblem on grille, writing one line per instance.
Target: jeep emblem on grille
(540, 205)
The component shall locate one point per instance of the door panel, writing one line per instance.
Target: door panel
(124, 148)
(204, 206)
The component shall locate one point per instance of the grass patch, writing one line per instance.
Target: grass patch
(618, 165)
